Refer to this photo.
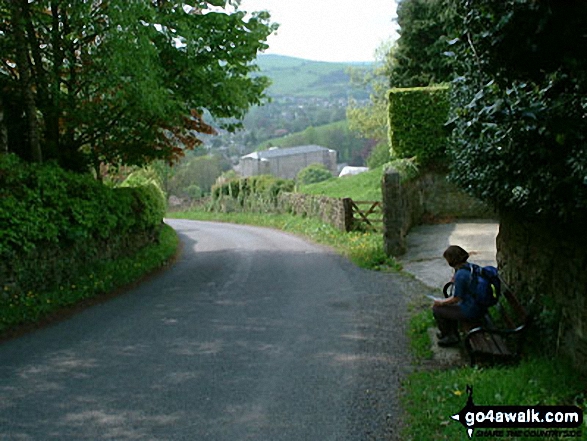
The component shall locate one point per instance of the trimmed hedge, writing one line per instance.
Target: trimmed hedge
(417, 118)
(56, 225)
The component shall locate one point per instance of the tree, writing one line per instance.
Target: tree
(370, 121)
(312, 174)
(125, 81)
(422, 55)
(519, 110)
(201, 171)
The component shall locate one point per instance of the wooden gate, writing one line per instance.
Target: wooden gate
(367, 215)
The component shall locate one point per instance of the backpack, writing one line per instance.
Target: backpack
(485, 285)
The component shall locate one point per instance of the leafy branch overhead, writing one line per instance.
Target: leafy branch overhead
(124, 81)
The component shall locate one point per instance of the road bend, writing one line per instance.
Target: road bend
(253, 334)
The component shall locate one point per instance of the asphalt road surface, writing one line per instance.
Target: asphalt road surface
(252, 335)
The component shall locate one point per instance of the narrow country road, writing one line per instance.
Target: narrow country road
(253, 334)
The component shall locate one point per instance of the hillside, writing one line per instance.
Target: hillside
(299, 78)
(363, 187)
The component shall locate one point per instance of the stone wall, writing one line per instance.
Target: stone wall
(334, 211)
(429, 197)
(546, 264)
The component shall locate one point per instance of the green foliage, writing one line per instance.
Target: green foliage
(362, 187)
(406, 168)
(371, 120)
(200, 171)
(265, 188)
(518, 110)
(422, 56)
(312, 174)
(420, 322)
(379, 155)
(148, 206)
(534, 382)
(125, 82)
(54, 224)
(18, 307)
(417, 118)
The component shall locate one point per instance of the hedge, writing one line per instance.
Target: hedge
(417, 118)
(250, 192)
(55, 225)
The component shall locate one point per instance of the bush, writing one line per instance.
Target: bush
(55, 224)
(379, 155)
(262, 186)
(312, 174)
(417, 119)
(519, 108)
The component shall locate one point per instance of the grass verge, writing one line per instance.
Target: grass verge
(103, 281)
(364, 249)
(432, 396)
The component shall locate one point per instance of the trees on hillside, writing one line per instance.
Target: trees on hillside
(123, 81)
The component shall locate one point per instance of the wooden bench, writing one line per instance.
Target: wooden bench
(500, 334)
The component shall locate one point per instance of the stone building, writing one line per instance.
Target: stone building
(286, 162)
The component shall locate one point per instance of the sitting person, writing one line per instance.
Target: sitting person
(461, 305)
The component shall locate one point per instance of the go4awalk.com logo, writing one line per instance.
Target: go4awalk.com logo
(528, 421)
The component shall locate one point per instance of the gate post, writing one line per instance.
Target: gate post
(347, 204)
(393, 213)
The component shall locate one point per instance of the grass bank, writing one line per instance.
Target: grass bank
(362, 187)
(102, 281)
(432, 396)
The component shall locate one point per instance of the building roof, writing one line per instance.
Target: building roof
(290, 151)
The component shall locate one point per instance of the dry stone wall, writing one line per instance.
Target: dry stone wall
(334, 211)
(429, 197)
(546, 263)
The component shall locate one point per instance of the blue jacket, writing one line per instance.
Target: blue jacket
(462, 289)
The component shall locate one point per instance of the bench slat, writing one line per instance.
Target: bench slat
(489, 343)
(511, 316)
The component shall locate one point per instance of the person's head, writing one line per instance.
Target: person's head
(455, 255)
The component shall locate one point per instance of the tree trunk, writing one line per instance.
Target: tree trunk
(25, 80)
(3, 131)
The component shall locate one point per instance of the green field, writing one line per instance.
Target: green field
(297, 77)
(363, 187)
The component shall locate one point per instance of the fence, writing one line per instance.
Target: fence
(369, 218)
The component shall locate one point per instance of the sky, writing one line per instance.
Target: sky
(328, 30)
